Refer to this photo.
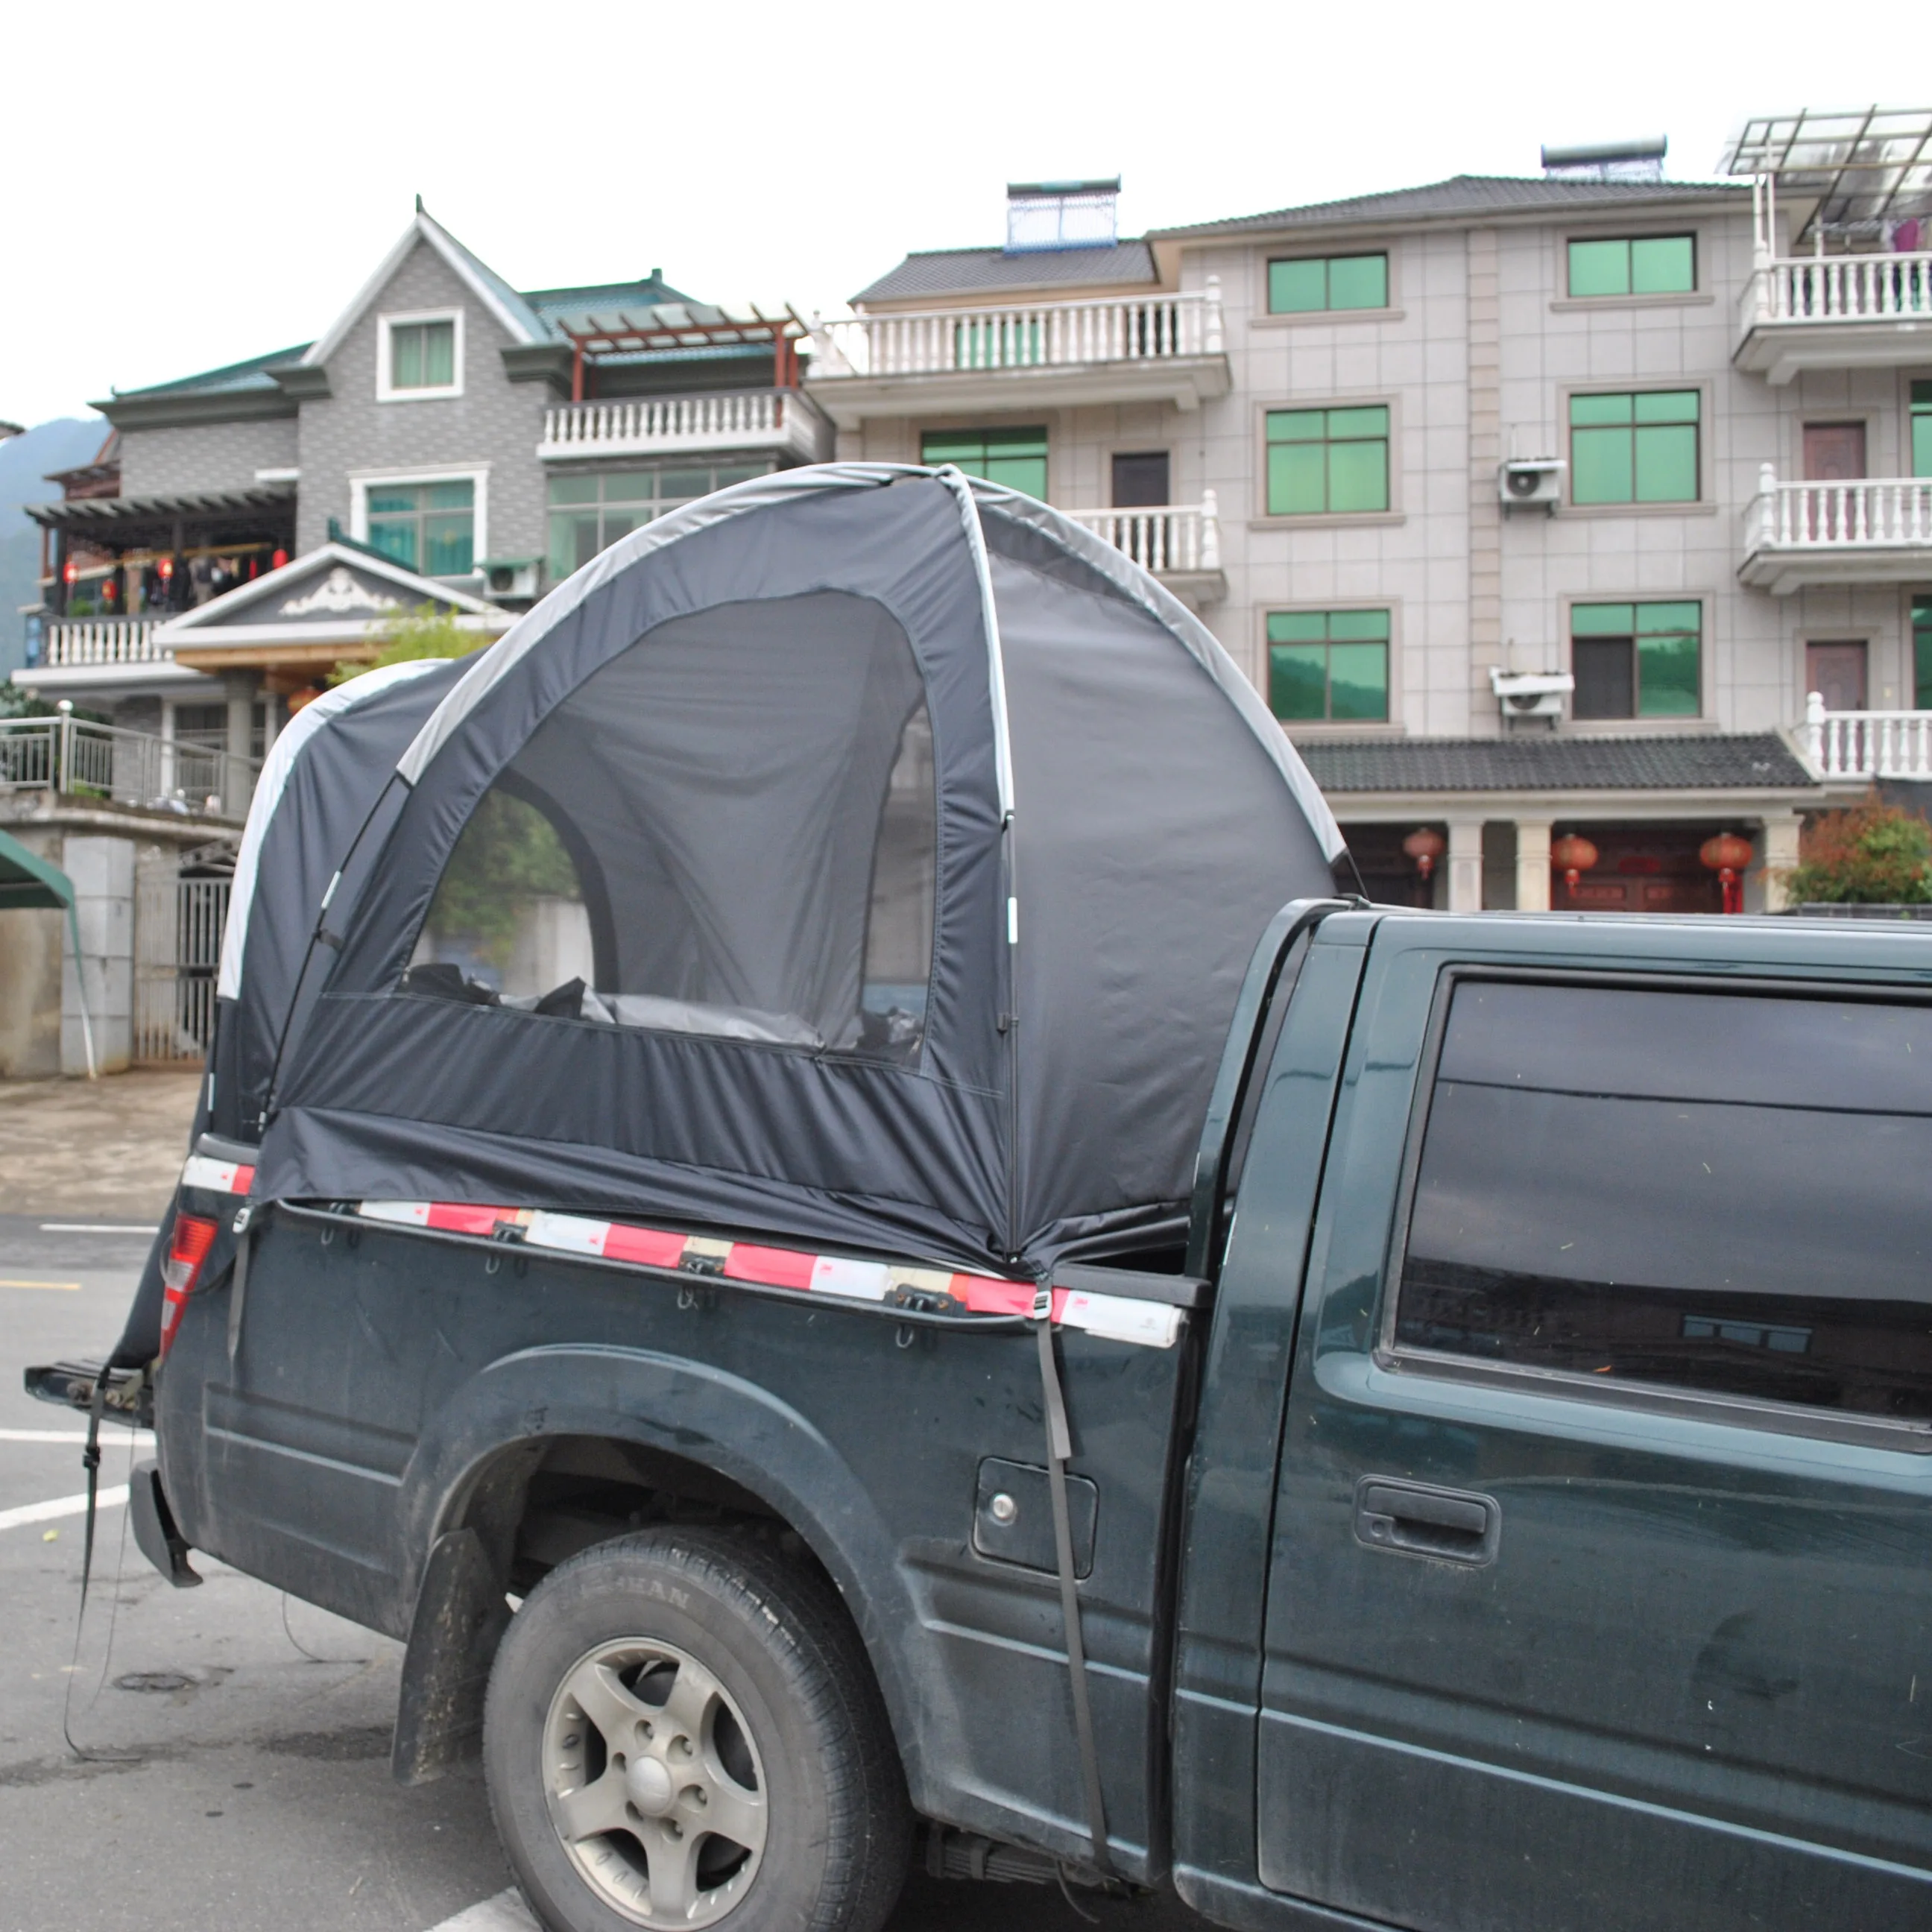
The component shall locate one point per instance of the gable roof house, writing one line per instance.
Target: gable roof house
(448, 439)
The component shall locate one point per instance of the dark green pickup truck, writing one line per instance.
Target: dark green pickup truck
(1514, 1512)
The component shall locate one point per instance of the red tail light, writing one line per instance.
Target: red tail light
(187, 1249)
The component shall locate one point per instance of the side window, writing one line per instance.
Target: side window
(728, 830)
(1721, 1192)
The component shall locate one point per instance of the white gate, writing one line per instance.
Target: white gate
(181, 905)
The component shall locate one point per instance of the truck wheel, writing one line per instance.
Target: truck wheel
(682, 1730)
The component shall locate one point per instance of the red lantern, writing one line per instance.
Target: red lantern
(1573, 856)
(1727, 855)
(1425, 847)
(281, 557)
(71, 574)
(167, 567)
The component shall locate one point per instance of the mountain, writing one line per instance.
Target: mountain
(25, 461)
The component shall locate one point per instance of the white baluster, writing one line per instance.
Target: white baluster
(1210, 529)
(1814, 726)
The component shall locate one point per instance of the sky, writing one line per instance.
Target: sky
(184, 189)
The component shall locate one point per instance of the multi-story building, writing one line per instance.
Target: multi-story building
(1539, 509)
(447, 438)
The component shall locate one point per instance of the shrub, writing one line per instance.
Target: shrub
(1873, 854)
(429, 630)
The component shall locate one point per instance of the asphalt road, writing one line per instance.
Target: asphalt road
(233, 1759)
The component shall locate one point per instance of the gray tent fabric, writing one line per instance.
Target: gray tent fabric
(905, 847)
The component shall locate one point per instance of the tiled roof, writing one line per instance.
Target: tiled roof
(1758, 761)
(557, 307)
(1467, 195)
(252, 374)
(965, 271)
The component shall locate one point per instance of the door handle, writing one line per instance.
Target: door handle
(1419, 1519)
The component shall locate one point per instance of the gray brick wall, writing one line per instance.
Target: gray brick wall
(204, 456)
(494, 422)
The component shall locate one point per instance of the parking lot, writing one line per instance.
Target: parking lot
(231, 1759)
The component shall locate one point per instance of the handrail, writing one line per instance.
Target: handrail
(1867, 744)
(1867, 513)
(101, 640)
(752, 417)
(1167, 537)
(1023, 335)
(76, 758)
(1810, 288)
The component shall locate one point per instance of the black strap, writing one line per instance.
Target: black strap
(237, 1290)
(1059, 1450)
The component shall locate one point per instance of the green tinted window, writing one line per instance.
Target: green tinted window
(588, 514)
(1647, 265)
(1921, 429)
(1310, 286)
(1016, 457)
(426, 526)
(1921, 651)
(1640, 448)
(1638, 660)
(1330, 664)
(422, 356)
(1332, 462)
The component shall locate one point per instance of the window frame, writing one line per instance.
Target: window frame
(925, 430)
(1631, 296)
(361, 482)
(1636, 721)
(385, 326)
(1334, 726)
(1301, 520)
(1704, 504)
(1759, 1412)
(658, 504)
(1266, 312)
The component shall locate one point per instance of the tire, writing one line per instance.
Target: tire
(685, 1699)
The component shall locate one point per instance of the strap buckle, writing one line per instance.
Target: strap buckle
(1042, 1304)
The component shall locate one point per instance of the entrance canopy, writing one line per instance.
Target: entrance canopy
(864, 854)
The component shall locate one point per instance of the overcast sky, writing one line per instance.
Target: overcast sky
(184, 188)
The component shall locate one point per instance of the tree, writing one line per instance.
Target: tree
(429, 630)
(1873, 854)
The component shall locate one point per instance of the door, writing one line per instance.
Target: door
(1601, 1582)
(1834, 453)
(1140, 480)
(1836, 672)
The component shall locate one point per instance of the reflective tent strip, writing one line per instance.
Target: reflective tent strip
(269, 787)
(503, 657)
(1140, 587)
(1116, 1318)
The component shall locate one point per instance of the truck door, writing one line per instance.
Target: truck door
(1601, 1587)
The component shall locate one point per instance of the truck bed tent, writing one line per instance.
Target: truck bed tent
(823, 859)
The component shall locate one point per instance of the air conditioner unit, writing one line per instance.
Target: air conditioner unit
(1531, 693)
(1532, 482)
(511, 576)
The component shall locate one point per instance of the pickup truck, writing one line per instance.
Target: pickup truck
(1513, 1510)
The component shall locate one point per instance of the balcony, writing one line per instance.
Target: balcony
(780, 421)
(67, 643)
(66, 756)
(1867, 744)
(1179, 543)
(1876, 530)
(1835, 312)
(1123, 349)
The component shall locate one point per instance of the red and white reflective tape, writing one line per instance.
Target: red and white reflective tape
(218, 1177)
(1114, 1317)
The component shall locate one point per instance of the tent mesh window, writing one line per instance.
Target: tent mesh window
(728, 830)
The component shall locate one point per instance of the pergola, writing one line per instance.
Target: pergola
(680, 325)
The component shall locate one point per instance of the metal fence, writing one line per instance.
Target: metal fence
(73, 756)
(178, 927)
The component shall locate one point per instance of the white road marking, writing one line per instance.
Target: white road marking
(144, 1438)
(505, 1913)
(60, 1506)
(96, 1227)
(16, 1281)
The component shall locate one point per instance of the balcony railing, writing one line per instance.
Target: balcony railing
(763, 419)
(70, 756)
(1872, 511)
(1819, 289)
(1035, 335)
(68, 641)
(1868, 744)
(1170, 539)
